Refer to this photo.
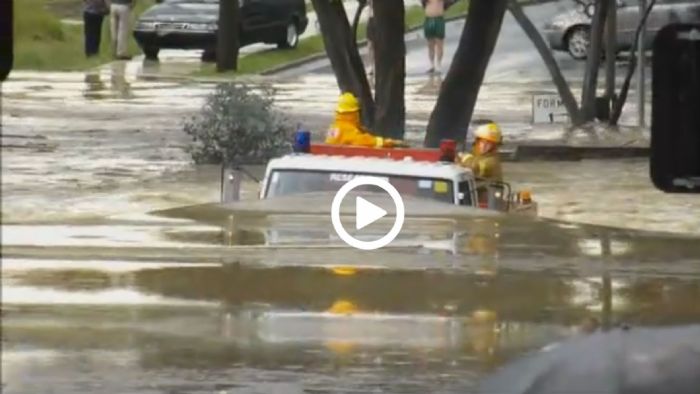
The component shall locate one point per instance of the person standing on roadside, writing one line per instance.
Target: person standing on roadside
(94, 12)
(120, 14)
(434, 30)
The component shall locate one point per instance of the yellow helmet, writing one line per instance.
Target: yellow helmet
(489, 132)
(348, 103)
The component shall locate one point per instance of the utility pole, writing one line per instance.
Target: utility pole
(610, 52)
(641, 67)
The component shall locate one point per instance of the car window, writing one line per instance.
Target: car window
(465, 193)
(290, 182)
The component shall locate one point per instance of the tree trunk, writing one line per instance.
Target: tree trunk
(610, 53)
(390, 60)
(620, 102)
(460, 88)
(340, 46)
(227, 41)
(590, 79)
(546, 54)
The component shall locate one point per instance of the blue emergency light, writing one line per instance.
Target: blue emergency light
(302, 141)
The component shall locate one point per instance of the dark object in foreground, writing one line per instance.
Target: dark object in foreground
(636, 360)
(675, 119)
(6, 41)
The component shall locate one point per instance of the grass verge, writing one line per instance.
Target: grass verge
(261, 61)
(43, 42)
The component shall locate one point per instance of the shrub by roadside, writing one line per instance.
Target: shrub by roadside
(238, 124)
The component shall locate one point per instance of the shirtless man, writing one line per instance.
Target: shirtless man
(434, 30)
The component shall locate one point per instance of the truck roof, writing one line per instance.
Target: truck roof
(370, 165)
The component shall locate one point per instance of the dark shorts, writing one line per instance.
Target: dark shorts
(371, 29)
(434, 27)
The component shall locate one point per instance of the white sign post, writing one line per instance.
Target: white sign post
(548, 108)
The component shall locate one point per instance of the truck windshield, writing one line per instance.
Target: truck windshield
(288, 182)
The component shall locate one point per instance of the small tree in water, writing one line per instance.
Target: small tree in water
(238, 125)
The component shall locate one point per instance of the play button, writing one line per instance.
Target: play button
(367, 213)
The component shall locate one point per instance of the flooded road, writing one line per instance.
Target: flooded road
(99, 295)
(157, 327)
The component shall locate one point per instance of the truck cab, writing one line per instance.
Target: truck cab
(421, 173)
(295, 174)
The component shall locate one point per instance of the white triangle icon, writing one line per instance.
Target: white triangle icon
(366, 213)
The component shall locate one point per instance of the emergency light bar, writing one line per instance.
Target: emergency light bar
(446, 153)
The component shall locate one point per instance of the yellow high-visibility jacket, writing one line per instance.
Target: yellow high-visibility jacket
(486, 166)
(346, 129)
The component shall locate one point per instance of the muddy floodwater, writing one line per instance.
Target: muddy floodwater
(98, 300)
(99, 295)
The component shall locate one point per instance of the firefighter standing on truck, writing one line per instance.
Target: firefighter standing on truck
(485, 160)
(346, 129)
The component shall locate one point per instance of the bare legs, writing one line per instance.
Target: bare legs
(431, 54)
(435, 52)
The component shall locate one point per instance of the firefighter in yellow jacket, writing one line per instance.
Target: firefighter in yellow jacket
(485, 160)
(346, 129)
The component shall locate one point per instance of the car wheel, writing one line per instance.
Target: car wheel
(578, 41)
(151, 52)
(291, 39)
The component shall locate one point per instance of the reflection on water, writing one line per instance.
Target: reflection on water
(118, 80)
(94, 87)
(195, 327)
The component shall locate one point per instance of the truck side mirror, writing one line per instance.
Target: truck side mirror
(675, 118)
(460, 198)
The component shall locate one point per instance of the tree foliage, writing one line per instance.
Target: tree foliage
(238, 125)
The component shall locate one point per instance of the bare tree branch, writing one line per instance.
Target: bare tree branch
(590, 80)
(557, 77)
(356, 19)
(620, 102)
(339, 44)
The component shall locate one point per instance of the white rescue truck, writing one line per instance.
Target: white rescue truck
(422, 173)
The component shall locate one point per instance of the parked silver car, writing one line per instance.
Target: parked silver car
(570, 31)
